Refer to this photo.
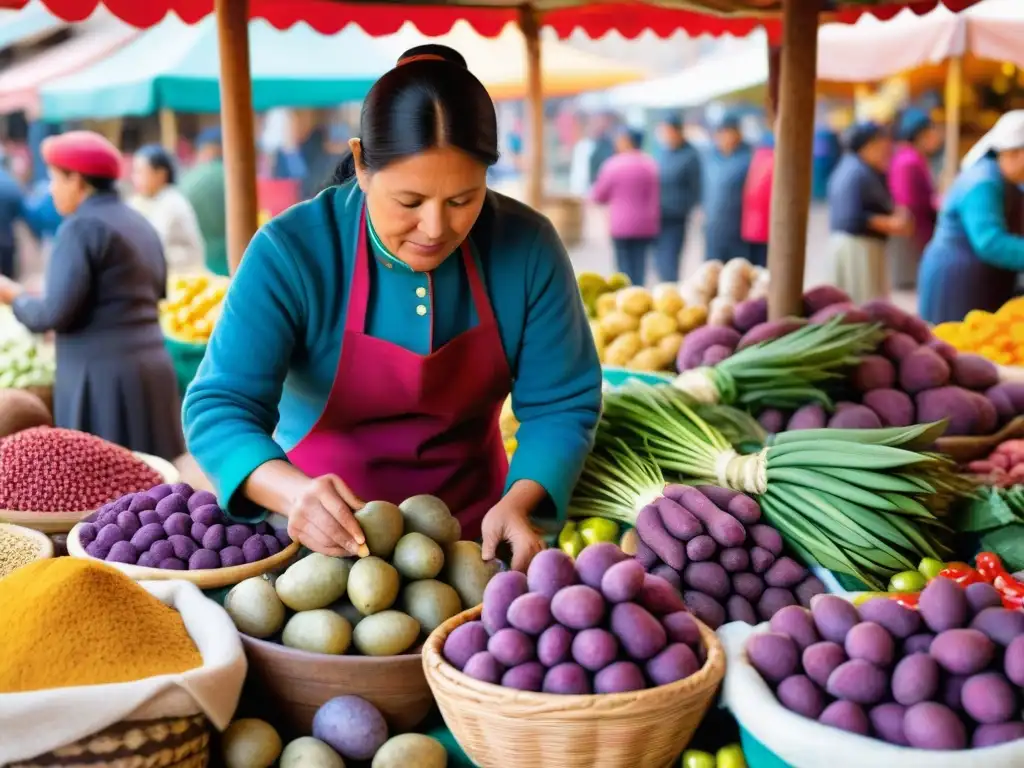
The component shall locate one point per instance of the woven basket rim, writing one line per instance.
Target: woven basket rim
(439, 672)
(340, 659)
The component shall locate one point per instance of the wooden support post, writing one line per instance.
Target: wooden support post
(771, 106)
(954, 99)
(168, 130)
(237, 126)
(530, 27)
(791, 185)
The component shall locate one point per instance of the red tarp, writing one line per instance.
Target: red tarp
(628, 18)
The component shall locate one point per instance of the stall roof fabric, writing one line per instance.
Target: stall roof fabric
(32, 22)
(175, 66)
(20, 83)
(489, 17)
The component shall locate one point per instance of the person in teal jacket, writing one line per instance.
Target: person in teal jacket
(371, 335)
(973, 260)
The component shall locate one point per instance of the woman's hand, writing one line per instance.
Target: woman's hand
(9, 290)
(320, 517)
(509, 521)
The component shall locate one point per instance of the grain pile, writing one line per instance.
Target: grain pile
(15, 551)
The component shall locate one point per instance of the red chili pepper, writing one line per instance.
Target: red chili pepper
(906, 599)
(962, 574)
(991, 567)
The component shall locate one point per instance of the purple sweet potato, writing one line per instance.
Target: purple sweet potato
(896, 345)
(944, 349)
(918, 329)
(953, 403)
(737, 504)
(848, 311)
(811, 416)
(750, 313)
(893, 407)
(923, 369)
(705, 608)
(721, 526)
(652, 532)
(974, 372)
(1008, 398)
(696, 342)
(772, 419)
(873, 372)
(988, 418)
(886, 313)
(715, 354)
(819, 297)
(677, 519)
(770, 331)
(855, 417)
(646, 556)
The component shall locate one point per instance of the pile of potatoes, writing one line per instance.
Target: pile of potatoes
(720, 287)
(417, 575)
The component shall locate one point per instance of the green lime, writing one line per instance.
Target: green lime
(595, 529)
(930, 567)
(694, 758)
(907, 581)
(731, 757)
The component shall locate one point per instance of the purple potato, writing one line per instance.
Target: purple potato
(208, 514)
(675, 662)
(86, 534)
(773, 600)
(262, 527)
(709, 578)
(952, 686)
(810, 416)
(230, 556)
(172, 564)
(640, 634)
(282, 536)
(1013, 661)
(168, 505)
(669, 574)
(887, 722)
(620, 677)
(200, 499)
(216, 538)
(623, 581)
(568, 678)
(162, 549)
(748, 585)
(734, 559)
(484, 667)
(799, 694)
(766, 537)
(772, 420)
(700, 548)
(919, 643)
(525, 677)
(988, 698)
(943, 605)
(962, 651)
(511, 647)
(677, 519)
(238, 534)
(705, 608)
(104, 519)
(530, 613)
(109, 535)
(143, 502)
(870, 642)
(743, 508)
(761, 559)
(123, 552)
(821, 660)
(999, 624)
(680, 627)
(773, 655)
(859, 681)
(159, 492)
(146, 560)
(738, 608)
(796, 622)
(653, 533)
(128, 522)
(463, 642)
(785, 573)
(554, 646)
(182, 546)
(898, 620)
(149, 517)
(578, 606)
(915, 679)
(499, 593)
(351, 726)
(991, 735)
(644, 555)
(594, 649)
(203, 560)
(981, 596)
(808, 589)
(178, 524)
(254, 549)
(847, 716)
(97, 550)
(147, 536)
(183, 489)
(550, 571)
(933, 726)
(833, 617)
(271, 543)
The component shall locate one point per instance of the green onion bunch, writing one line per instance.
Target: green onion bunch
(788, 372)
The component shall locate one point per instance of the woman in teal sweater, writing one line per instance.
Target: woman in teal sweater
(372, 334)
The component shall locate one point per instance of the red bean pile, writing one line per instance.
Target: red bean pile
(46, 469)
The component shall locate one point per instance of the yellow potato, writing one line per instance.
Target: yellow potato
(691, 317)
(654, 326)
(670, 345)
(635, 300)
(623, 349)
(667, 299)
(650, 359)
(605, 304)
(616, 323)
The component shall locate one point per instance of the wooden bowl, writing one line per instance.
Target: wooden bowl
(298, 683)
(964, 450)
(62, 522)
(213, 578)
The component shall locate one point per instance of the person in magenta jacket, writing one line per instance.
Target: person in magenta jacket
(911, 185)
(757, 201)
(628, 184)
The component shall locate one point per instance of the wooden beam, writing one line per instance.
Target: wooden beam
(237, 125)
(168, 130)
(954, 97)
(530, 27)
(791, 184)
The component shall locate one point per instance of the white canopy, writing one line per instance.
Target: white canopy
(872, 50)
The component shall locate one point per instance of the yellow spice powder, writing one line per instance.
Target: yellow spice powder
(68, 621)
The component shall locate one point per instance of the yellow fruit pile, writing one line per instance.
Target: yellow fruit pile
(998, 336)
(192, 307)
(642, 330)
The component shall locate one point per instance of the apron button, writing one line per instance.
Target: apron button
(421, 310)
(421, 291)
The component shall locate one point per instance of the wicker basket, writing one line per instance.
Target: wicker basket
(517, 729)
(173, 742)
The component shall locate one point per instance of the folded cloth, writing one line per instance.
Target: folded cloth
(38, 722)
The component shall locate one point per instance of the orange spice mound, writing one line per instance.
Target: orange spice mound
(68, 622)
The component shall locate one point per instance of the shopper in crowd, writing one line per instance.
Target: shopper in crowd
(757, 201)
(203, 187)
(603, 131)
(862, 215)
(973, 260)
(628, 184)
(106, 274)
(680, 174)
(167, 209)
(910, 181)
(370, 338)
(12, 209)
(725, 172)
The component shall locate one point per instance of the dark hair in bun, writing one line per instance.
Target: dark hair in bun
(430, 99)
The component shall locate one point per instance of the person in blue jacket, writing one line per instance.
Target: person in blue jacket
(372, 334)
(972, 260)
(725, 171)
(680, 176)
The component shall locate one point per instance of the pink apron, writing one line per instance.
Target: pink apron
(397, 424)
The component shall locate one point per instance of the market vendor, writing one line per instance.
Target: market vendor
(371, 335)
(973, 259)
(105, 277)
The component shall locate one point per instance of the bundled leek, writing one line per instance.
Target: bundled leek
(787, 372)
(616, 482)
(860, 502)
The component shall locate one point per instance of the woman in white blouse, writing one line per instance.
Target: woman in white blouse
(167, 209)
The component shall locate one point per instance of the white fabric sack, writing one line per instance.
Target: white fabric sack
(804, 743)
(38, 722)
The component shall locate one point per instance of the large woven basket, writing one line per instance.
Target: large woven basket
(503, 728)
(173, 742)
